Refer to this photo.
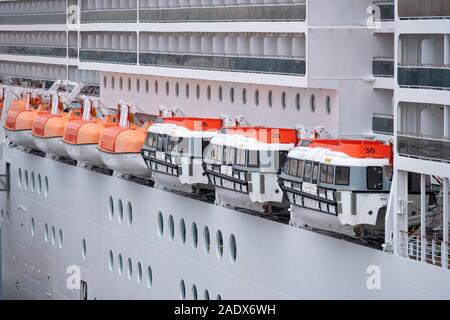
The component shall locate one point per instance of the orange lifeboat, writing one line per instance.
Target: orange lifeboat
(20, 119)
(48, 129)
(81, 136)
(120, 146)
(2, 100)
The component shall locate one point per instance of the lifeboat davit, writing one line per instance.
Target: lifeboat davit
(48, 129)
(338, 185)
(20, 119)
(174, 150)
(243, 162)
(81, 136)
(120, 146)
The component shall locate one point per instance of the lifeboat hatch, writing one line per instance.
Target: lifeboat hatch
(4, 176)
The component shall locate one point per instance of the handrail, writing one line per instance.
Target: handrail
(424, 65)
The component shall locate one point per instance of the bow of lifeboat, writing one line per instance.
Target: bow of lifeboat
(176, 161)
(48, 130)
(20, 119)
(243, 162)
(338, 185)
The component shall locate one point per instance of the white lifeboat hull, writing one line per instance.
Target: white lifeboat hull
(87, 153)
(22, 138)
(128, 163)
(51, 145)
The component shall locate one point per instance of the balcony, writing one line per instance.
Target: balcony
(423, 9)
(383, 124)
(33, 12)
(23, 50)
(383, 67)
(425, 148)
(387, 10)
(424, 76)
(122, 57)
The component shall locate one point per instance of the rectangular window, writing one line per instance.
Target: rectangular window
(308, 171)
(315, 176)
(205, 143)
(160, 142)
(286, 166)
(301, 168)
(230, 155)
(330, 175)
(293, 167)
(374, 178)
(282, 155)
(253, 158)
(323, 173)
(342, 176)
(240, 157)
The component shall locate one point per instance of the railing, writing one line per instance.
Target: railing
(126, 57)
(424, 76)
(46, 51)
(383, 67)
(383, 123)
(426, 148)
(387, 10)
(423, 9)
(281, 10)
(432, 249)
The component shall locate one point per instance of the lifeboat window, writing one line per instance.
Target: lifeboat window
(301, 168)
(293, 167)
(330, 175)
(342, 176)
(282, 155)
(308, 171)
(205, 143)
(183, 145)
(171, 142)
(240, 157)
(161, 142)
(228, 155)
(253, 158)
(315, 176)
(374, 178)
(326, 173)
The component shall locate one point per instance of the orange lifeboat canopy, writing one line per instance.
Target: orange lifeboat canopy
(356, 148)
(265, 135)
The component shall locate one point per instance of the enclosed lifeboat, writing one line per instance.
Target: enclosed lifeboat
(243, 162)
(2, 101)
(120, 146)
(81, 136)
(338, 185)
(174, 150)
(48, 128)
(20, 119)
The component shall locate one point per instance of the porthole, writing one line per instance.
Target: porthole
(146, 86)
(156, 86)
(313, 103)
(177, 89)
(206, 295)
(197, 92)
(194, 292)
(39, 184)
(138, 85)
(207, 239)
(120, 83)
(219, 297)
(31, 225)
(244, 96)
(297, 101)
(129, 84)
(139, 273)
(120, 262)
(233, 248)
(104, 82)
(194, 235)
(26, 179)
(46, 232)
(160, 224)
(46, 187)
(83, 248)
(53, 235)
(171, 228)
(182, 231)
(111, 208)
(219, 239)
(33, 182)
(7, 217)
(111, 260)
(167, 88)
(130, 268)
(149, 277)
(60, 238)
(257, 97)
(2, 214)
(283, 100)
(120, 208)
(19, 178)
(186, 90)
(112, 82)
(219, 93)
(269, 99)
(130, 214)
(232, 95)
(182, 290)
(328, 104)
